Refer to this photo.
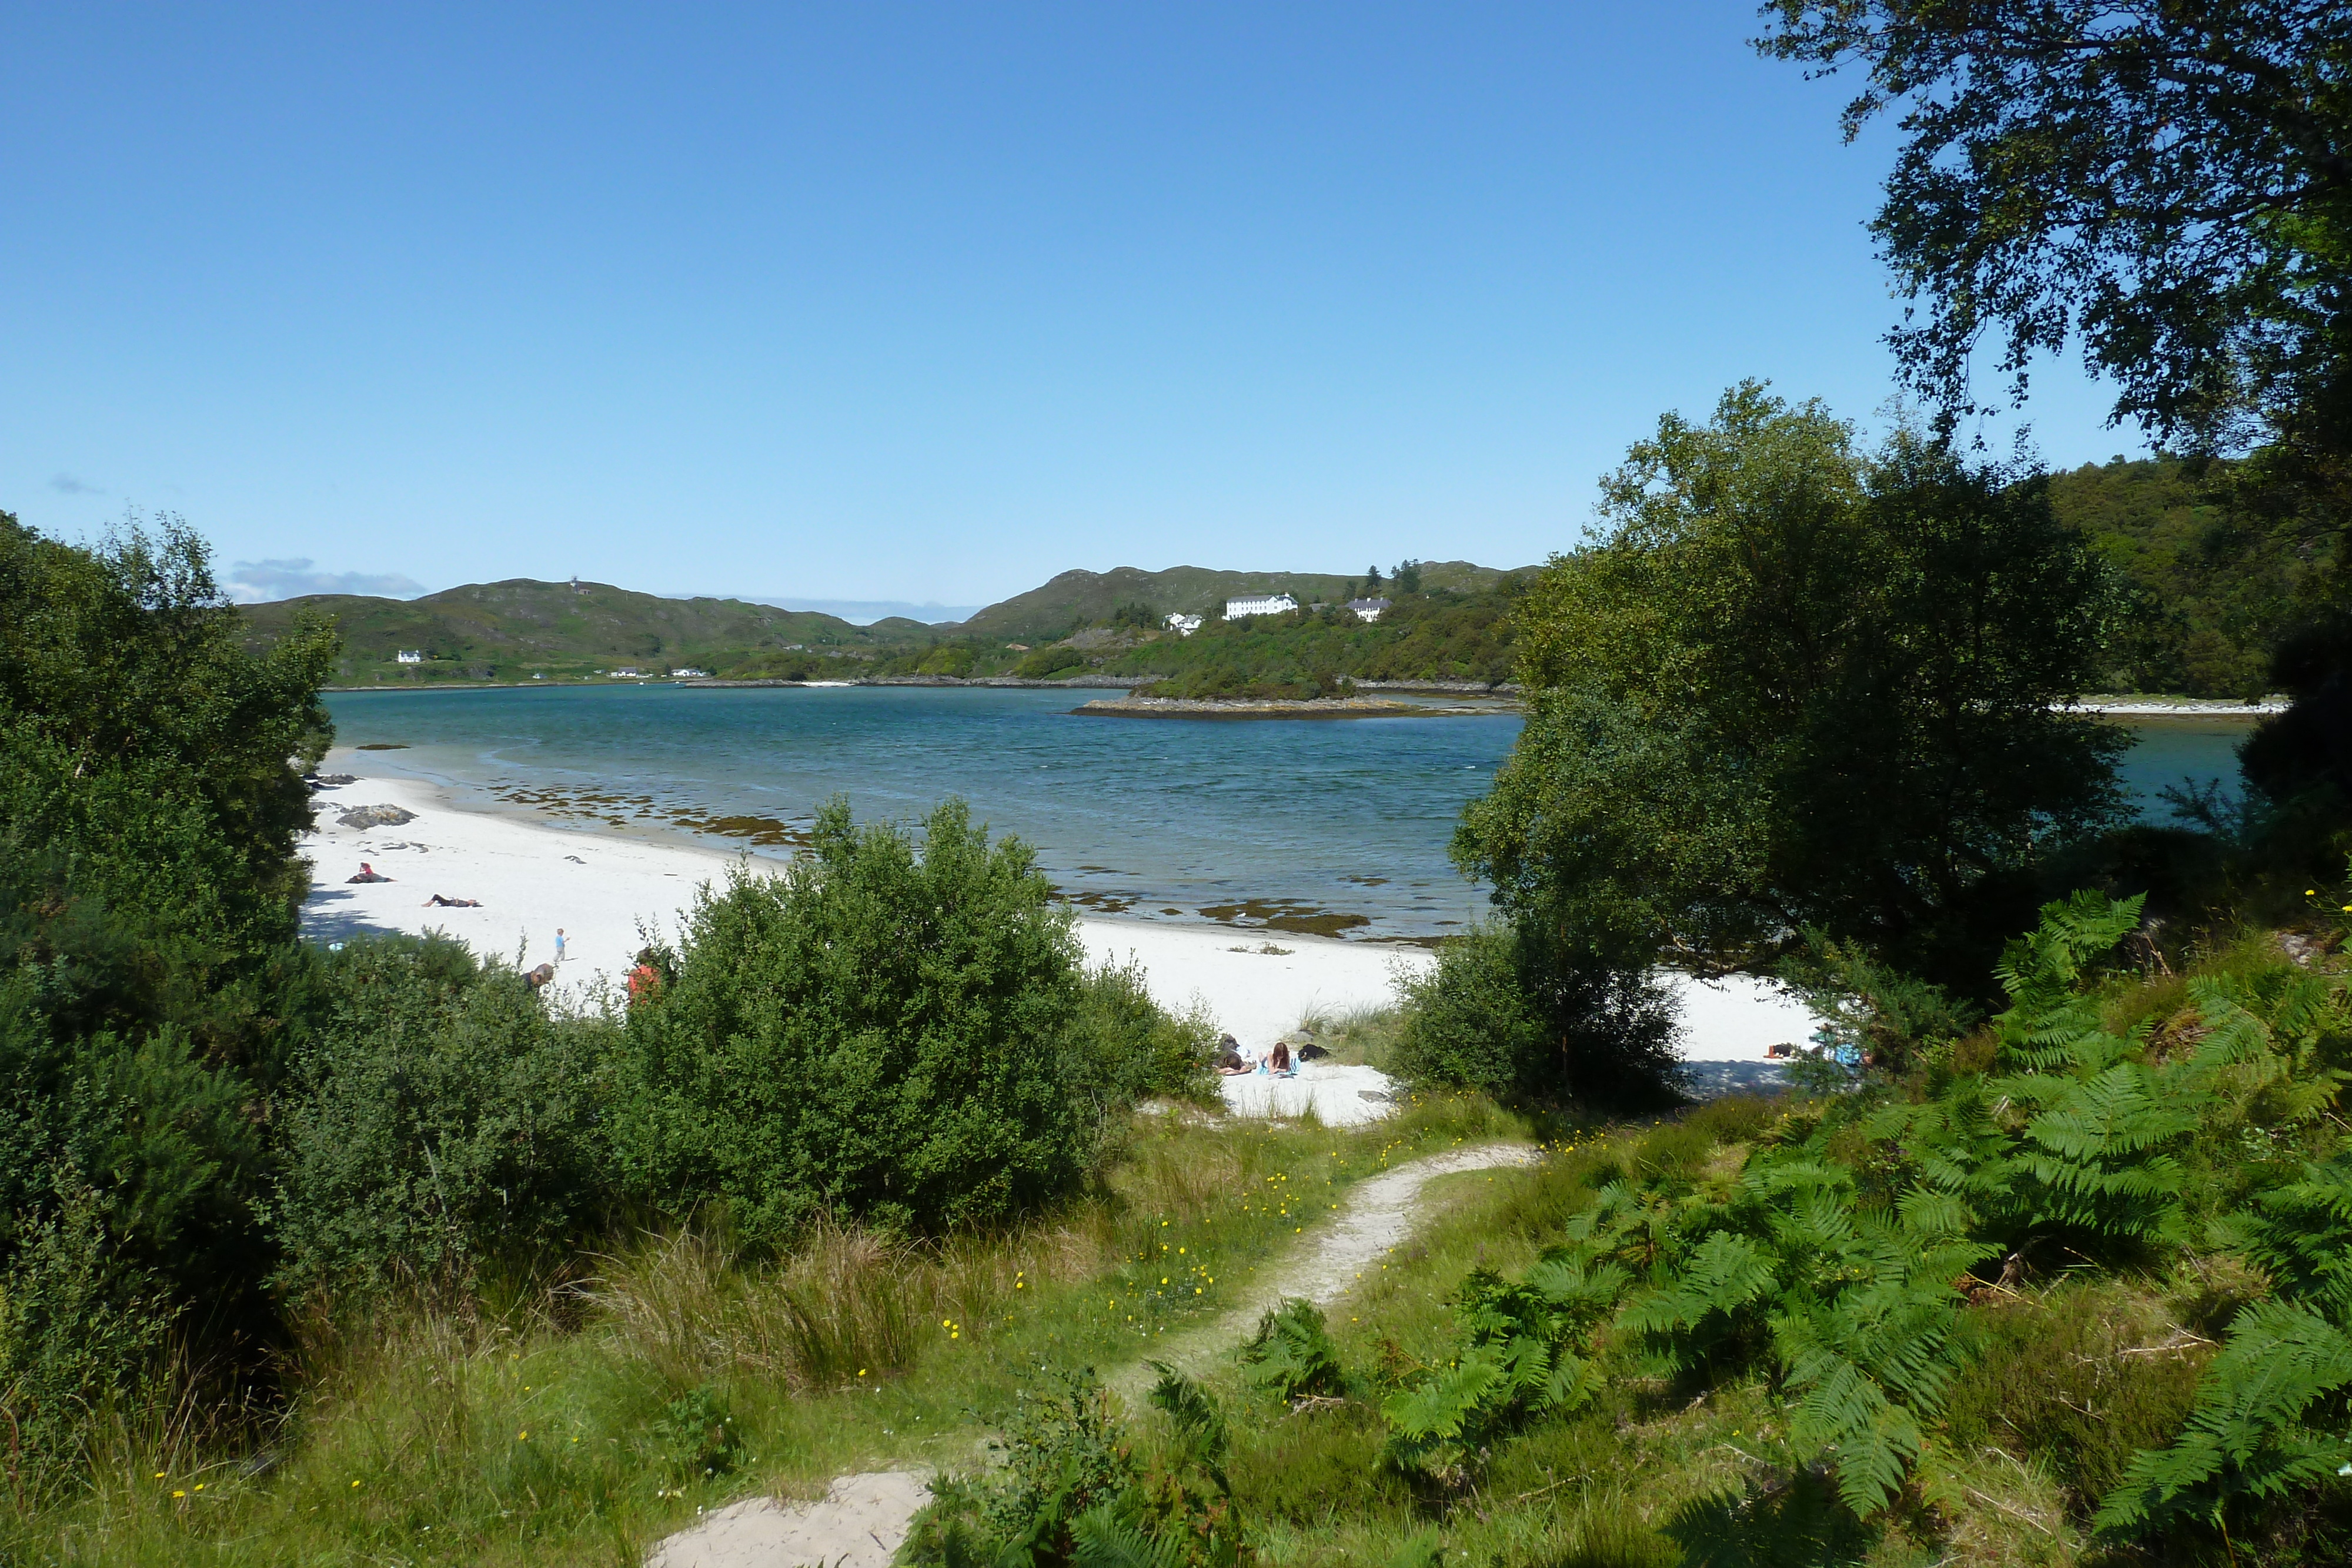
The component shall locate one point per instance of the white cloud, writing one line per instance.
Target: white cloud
(258, 582)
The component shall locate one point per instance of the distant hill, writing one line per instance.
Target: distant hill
(515, 629)
(1077, 598)
(511, 630)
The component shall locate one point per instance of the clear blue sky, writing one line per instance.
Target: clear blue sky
(905, 302)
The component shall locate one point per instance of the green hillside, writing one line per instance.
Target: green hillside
(2210, 581)
(520, 628)
(1079, 599)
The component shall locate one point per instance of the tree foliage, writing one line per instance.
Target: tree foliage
(1797, 685)
(2173, 183)
(149, 989)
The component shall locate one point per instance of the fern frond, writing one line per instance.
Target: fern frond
(1100, 1539)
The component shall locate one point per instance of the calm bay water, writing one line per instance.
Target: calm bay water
(1336, 825)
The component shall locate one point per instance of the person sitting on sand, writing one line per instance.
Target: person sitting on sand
(439, 901)
(368, 874)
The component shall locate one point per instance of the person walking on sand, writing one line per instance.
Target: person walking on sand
(558, 943)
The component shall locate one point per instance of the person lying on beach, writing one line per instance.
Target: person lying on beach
(1279, 1062)
(439, 902)
(1231, 1064)
(368, 874)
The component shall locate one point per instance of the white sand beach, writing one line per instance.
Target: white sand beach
(607, 889)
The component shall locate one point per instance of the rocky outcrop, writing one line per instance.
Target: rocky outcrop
(377, 817)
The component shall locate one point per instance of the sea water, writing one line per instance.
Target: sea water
(1338, 826)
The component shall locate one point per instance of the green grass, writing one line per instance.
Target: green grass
(531, 1433)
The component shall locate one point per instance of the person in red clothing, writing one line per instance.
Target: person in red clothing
(644, 981)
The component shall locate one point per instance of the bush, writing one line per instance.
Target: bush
(877, 1032)
(439, 1121)
(1126, 1047)
(1070, 1491)
(1499, 1013)
(1048, 662)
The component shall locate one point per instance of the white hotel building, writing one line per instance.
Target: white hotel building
(1259, 604)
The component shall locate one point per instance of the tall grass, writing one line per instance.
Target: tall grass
(525, 1427)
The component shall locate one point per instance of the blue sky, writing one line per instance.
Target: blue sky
(895, 302)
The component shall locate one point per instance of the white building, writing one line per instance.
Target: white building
(1184, 625)
(1367, 609)
(410, 655)
(1259, 604)
(687, 671)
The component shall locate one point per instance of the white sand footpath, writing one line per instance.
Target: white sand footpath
(600, 884)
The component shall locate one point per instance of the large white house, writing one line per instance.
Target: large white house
(1259, 604)
(1184, 625)
(410, 655)
(1367, 609)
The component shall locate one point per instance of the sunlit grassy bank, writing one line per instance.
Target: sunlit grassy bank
(573, 1425)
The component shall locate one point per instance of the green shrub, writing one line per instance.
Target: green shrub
(1125, 1047)
(695, 1437)
(878, 1032)
(1502, 1013)
(1045, 663)
(150, 984)
(75, 1328)
(1071, 1491)
(437, 1122)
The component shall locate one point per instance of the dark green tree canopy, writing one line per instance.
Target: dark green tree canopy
(2170, 181)
(1797, 686)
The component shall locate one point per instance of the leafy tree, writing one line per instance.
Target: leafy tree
(2172, 183)
(149, 987)
(1799, 686)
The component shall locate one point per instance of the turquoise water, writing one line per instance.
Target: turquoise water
(2169, 752)
(1338, 826)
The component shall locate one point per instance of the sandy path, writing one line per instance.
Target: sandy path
(1380, 1213)
(863, 1519)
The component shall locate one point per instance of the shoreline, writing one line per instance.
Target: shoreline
(611, 889)
(1273, 707)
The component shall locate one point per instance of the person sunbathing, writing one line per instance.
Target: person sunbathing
(368, 874)
(1230, 1064)
(439, 902)
(1278, 1063)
